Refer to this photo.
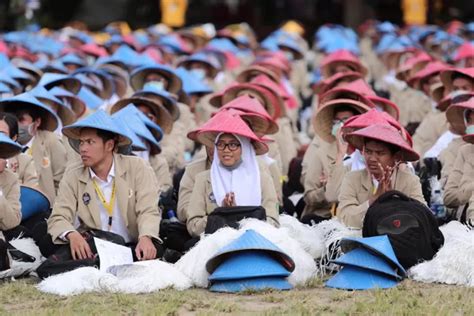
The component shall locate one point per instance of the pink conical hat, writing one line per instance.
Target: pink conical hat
(447, 75)
(342, 56)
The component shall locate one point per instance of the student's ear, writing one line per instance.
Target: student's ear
(398, 157)
(110, 145)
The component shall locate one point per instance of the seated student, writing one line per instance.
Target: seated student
(106, 191)
(236, 178)
(22, 164)
(383, 148)
(10, 214)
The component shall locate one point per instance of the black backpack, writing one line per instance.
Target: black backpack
(231, 216)
(411, 227)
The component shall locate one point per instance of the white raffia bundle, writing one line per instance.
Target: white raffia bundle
(19, 268)
(453, 263)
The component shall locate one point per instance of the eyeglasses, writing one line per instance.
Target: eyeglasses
(232, 146)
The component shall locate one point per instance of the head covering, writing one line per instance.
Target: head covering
(77, 105)
(154, 94)
(383, 133)
(137, 77)
(8, 148)
(102, 80)
(50, 80)
(447, 75)
(98, 120)
(269, 99)
(163, 116)
(230, 123)
(322, 121)
(253, 71)
(430, 70)
(343, 57)
(49, 119)
(331, 82)
(64, 112)
(456, 114)
(243, 181)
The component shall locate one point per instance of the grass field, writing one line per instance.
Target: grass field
(408, 298)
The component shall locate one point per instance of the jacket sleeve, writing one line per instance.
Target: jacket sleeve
(162, 173)
(30, 177)
(314, 191)
(351, 211)
(451, 190)
(269, 199)
(146, 207)
(58, 161)
(197, 216)
(10, 212)
(333, 186)
(414, 188)
(64, 210)
(184, 196)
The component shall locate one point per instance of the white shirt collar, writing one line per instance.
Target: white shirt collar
(110, 176)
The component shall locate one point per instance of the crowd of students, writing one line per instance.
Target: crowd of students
(152, 137)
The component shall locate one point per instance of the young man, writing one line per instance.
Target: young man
(106, 191)
(383, 148)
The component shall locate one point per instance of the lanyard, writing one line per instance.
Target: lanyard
(109, 207)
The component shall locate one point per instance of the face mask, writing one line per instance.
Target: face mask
(158, 85)
(24, 134)
(470, 129)
(199, 73)
(289, 56)
(335, 128)
(456, 93)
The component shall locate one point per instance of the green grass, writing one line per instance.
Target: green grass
(409, 298)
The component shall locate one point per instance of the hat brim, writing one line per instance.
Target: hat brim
(251, 284)
(71, 84)
(9, 150)
(208, 138)
(32, 201)
(357, 66)
(164, 118)
(387, 106)
(137, 79)
(250, 72)
(259, 124)
(65, 114)
(455, 117)
(49, 120)
(168, 103)
(269, 105)
(322, 121)
(354, 278)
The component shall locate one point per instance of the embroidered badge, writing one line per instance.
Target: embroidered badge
(86, 198)
(212, 198)
(45, 162)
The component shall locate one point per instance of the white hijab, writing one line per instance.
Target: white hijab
(244, 180)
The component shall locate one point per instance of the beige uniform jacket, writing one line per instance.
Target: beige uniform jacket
(10, 212)
(50, 159)
(137, 199)
(286, 143)
(320, 160)
(187, 184)
(357, 187)
(162, 172)
(447, 157)
(460, 185)
(202, 204)
(431, 128)
(413, 105)
(26, 170)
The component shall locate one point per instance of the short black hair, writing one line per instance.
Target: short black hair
(344, 108)
(106, 136)
(12, 123)
(32, 111)
(392, 148)
(457, 75)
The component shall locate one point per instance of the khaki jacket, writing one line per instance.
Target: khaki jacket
(357, 187)
(137, 198)
(413, 105)
(431, 128)
(10, 212)
(447, 157)
(26, 170)
(460, 185)
(319, 161)
(286, 143)
(162, 172)
(187, 184)
(201, 203)
(50, 157)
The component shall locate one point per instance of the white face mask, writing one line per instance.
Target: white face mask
(199, 73)
(158, 85)
(289, 56)
(456, 93)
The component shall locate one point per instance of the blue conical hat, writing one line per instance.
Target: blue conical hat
(379, 245)
(363, 258)
(252, 284)
(17, 73)
(354, 278)
(65, 113)
(166, 98)
(136, 124)
(8, 148)
(33, 202)
(50, 120)
(77, 105)
(55, 66)
(72, 59)
(98, 120)
(7, 79)
(4, 88)
(137, 143)
(50, 80)
(248, 264)
(250, 240)
(91, 100)
(191, 84)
